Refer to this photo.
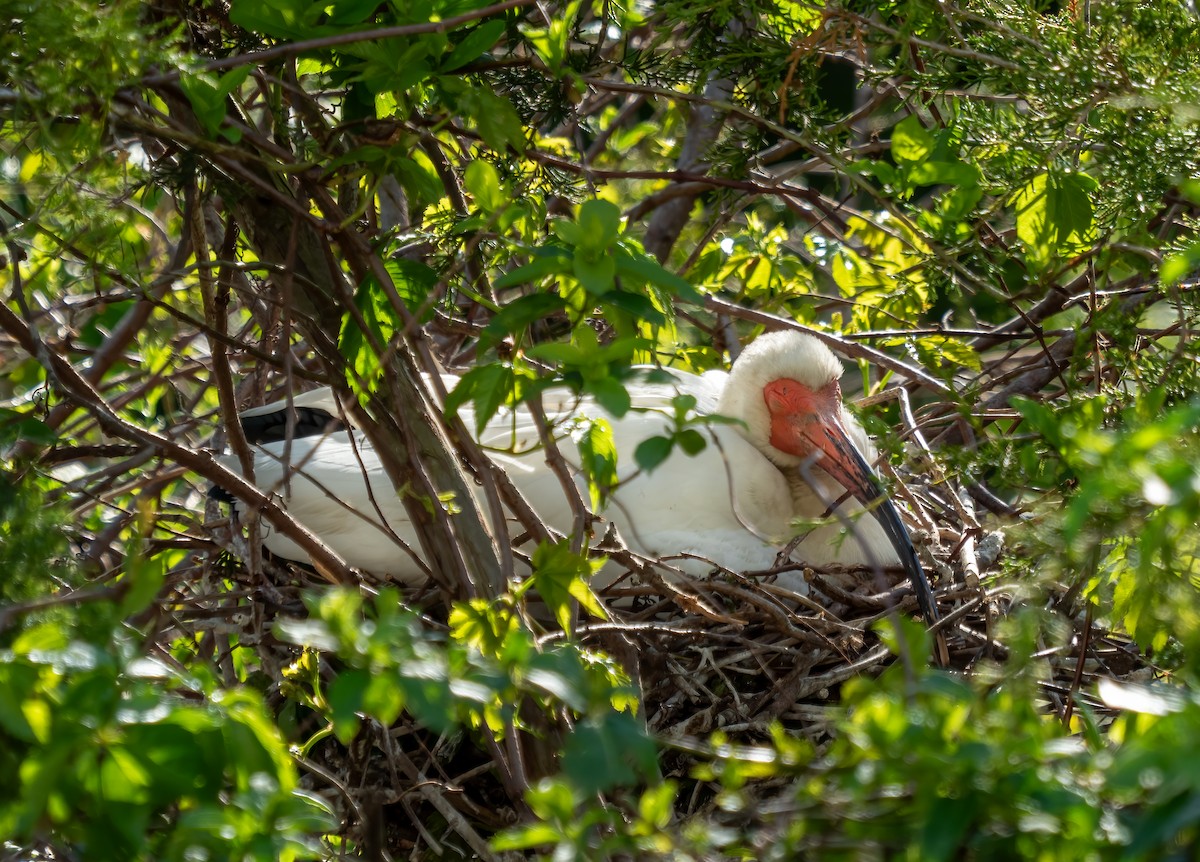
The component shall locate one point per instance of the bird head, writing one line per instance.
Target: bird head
(784, 386)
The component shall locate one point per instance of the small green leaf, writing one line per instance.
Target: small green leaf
(567, 354)
(382, 699)
(347, 13)
(427, 693)
(911, 142)
(636, 305)
(691, 441)
(599, 224)
(548, 260)
(653, 451)
(483, 182)
(598, 458)
(1176, 266)
(641, 267)
(483, 624)
(656, 805)
(526, 837)
(490, 387)
(610, 394)
(568, 231)
(880, 170)
(596, 272)
(514, 317)
(22, 425)
(282, 19)
(551, 43)
(145, 578)
(476, 42)
(413, 282)
(207, 100)
(345, 695)
(417, 175)
(607, 751)
(496, 120)
(1052, 211)
(560, 575)
(944, 173)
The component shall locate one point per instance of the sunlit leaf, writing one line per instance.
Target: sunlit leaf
(560, 577)
(598, 457)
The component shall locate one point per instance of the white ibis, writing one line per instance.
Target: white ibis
(736, 504)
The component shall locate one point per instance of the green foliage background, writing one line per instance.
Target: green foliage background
(202, 203)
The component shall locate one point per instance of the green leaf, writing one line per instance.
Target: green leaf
(1044, 419)
(427, 693)
(610, 394)
(483, 182)
(599, 224)
(880, 170)
(956, 204)
(347, 13)
(145, 579)
(1053, 210)
(568, 231)
(1074, 203)
(656, 805)
(1176, 266)
(903, 635)
(207, 100)
(643, 268)
(567, 354)
(944, 173)
(596, 272)
(514, 317)
(483, 624)
(526, 837)
(417, 175)
(551, 43)
(22, 425)
(476, 42)
(939, 349)
(491, 387)
(283, 19)
(560, 576)
(636, 305)
(548, 260)
(388, 70)
(691, 441)
(607, 751)
(598, 458)
(346, 694)
(653, 451)
(911, 142)
(413, 282)
(552, 799)
(17, 683)
(495, 119)
(180, 756)
(382, 698)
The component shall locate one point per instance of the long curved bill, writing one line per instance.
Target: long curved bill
(846, 464)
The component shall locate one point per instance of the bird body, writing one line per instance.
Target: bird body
(734, 505)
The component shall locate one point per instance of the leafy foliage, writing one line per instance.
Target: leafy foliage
(994, 203)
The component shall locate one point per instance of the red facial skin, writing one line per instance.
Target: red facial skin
(805, 421)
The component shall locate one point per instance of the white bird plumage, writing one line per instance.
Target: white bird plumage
(735, 504)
